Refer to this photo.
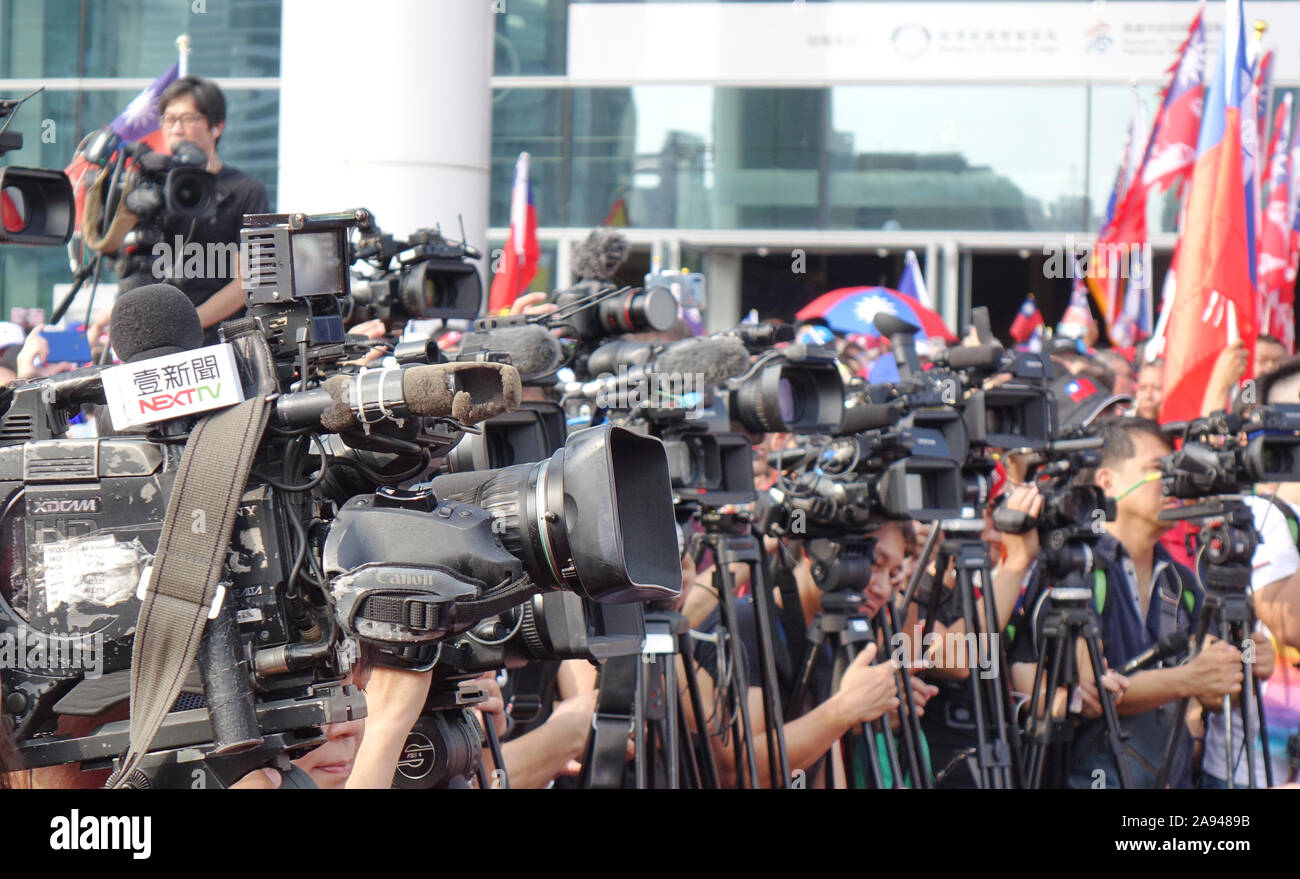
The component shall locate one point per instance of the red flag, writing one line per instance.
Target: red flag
(1027, 320)
(519, 261)
(1275, 233)
(1215, 300)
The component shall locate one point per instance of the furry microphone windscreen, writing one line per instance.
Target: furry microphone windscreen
(599, 257)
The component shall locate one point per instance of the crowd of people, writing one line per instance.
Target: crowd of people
(1152, 588)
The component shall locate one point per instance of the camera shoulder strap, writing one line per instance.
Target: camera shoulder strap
(617, 711)
(1292, 521)
(191, 556)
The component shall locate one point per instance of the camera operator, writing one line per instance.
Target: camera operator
(865, 693)
(1147, 595)
(194, 109)
(949, 723)
(1275, 582)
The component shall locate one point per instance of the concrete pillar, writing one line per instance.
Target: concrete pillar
(950, 303)
(388, 106)
(722, 269)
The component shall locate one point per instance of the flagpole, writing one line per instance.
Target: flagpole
(183, 51)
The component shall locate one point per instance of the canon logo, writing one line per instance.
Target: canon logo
(405, 578)
(64, 505)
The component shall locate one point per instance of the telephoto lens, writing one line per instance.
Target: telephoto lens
(786, 397)
(596, 518)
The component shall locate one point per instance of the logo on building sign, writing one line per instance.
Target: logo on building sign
(162, 388)
(911, 40)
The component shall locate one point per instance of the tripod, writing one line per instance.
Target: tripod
(1228, 612)
(1067, 618)
(668, 737)
(996, 738)
(639, 692)
(845, 630)
(729, 538)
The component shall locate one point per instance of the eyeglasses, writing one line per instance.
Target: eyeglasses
(185, 119)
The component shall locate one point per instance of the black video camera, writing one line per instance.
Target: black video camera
(426, 276)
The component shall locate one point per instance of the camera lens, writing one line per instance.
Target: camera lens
(790, 398)
(190, 192)
(441, 288)
(639, 311)
(596, 518)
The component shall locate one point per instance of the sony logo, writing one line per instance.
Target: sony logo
(63, 505)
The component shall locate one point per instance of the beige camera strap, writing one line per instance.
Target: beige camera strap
(191, 556)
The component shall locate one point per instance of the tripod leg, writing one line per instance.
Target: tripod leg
(1179, 725)
(667, 665)
(868, 733)
(1256, 686)
(638, 726)
(1007, 742)
(778, 761)
(909, 721)
(1113, 730)
(726, 596)
(990, 775)
(707, 767)
(1049, 670)
(690, 767)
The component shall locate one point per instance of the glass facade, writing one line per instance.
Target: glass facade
(107, 43)
(892, 157)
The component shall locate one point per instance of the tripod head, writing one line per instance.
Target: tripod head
(1227, 531)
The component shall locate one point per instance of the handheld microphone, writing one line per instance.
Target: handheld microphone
(1170, 645)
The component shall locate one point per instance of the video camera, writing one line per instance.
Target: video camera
(36, 204)
(1227, 454)
(426, 276)
(298, 574)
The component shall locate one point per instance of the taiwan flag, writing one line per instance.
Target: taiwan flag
(1028, 319)
(138, 122)
(1215, 301)
(1171, 151)
(519, 261)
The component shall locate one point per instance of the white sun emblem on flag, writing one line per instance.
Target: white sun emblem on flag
(1189, 72)
(869, 306)
(141, 108)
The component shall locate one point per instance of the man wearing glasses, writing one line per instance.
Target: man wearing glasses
(193, 109)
